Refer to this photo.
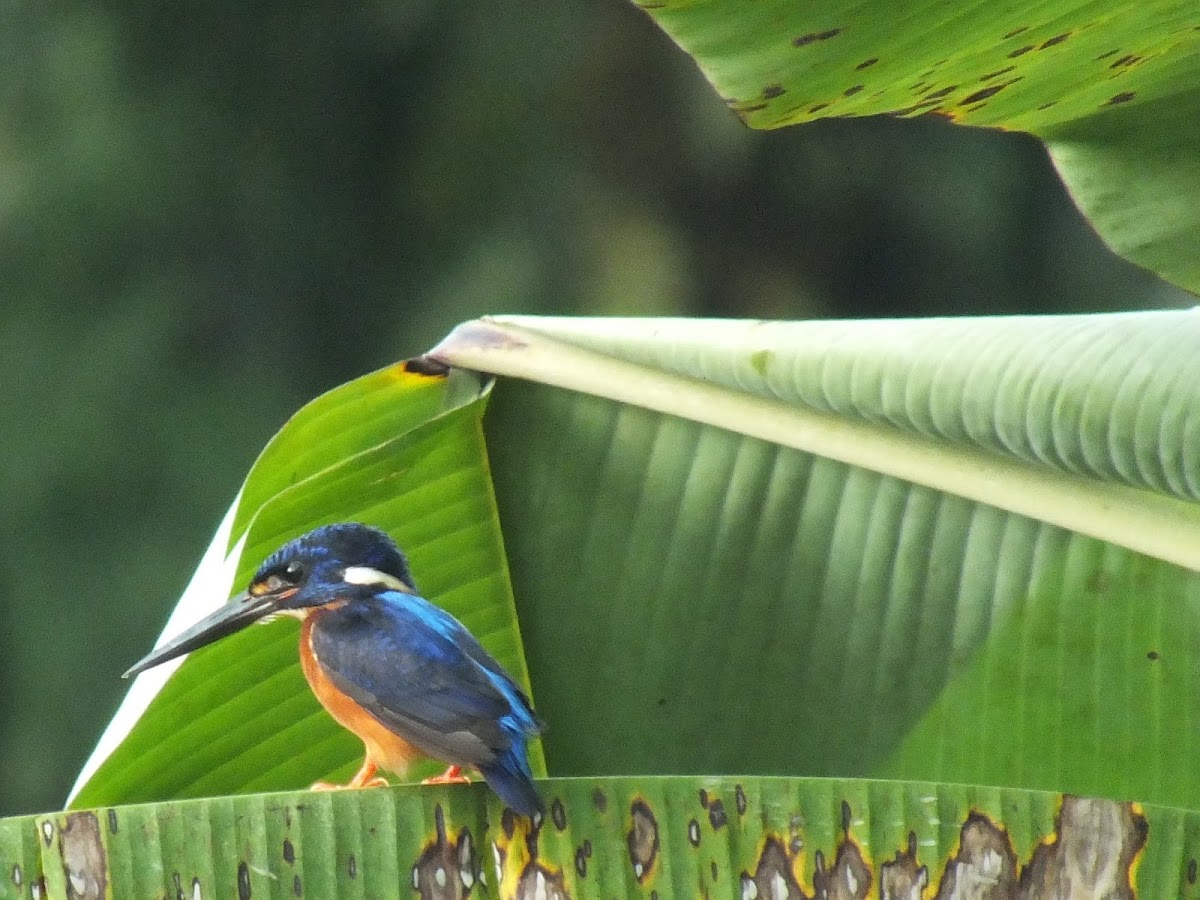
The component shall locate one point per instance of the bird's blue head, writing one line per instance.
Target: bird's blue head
(331, 562)
(328, 564)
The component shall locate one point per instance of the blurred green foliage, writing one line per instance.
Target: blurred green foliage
(209, 213)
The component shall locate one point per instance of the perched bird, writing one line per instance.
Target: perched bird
(402, 674)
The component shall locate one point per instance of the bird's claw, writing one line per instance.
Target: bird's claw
(453, 775)
(329, 786)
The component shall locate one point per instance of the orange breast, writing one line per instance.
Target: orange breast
(387, 749)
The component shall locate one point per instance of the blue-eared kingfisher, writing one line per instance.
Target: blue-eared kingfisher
(404, 675)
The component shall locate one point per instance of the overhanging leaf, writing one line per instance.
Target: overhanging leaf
(1113, 89)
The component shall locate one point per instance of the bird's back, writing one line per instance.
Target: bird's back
(419, 672)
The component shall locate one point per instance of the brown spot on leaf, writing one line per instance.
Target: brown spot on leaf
(1057, 39)
(716, 815)
(1016, 31)
(642, 840)
(84, 859)
(739, 799)
(924, 105)
(297, 886)
(986, 92)
(985, 857)
(599, 800)
(1106, 55)
(852, 90)
(849, 877)
(1125, 61)
(990, 75)
(818, 107)
(581, 859)
(713, 870)
(243, 881)
(447, 867)
(770, 92)
(425, 365)
(1191, 871)
(289, 852)
(902, 876)
(773, 876)
(1020, 51)
(1123, 97)
(867, 63)
(1152, 655)
(944, 92)
(539, 883)
(1092, 853)
(813, 36)
(558, 814)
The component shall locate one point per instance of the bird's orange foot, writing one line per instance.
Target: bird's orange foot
(330, 786)
(362, 779)
(453, 775)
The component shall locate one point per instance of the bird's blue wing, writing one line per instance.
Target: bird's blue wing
(423, 675)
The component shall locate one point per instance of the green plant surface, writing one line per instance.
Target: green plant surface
(20, 856)
(941, 551)
(1113, 89)
(711, 601)
(683, 581)
(614, 838)
(398, 449)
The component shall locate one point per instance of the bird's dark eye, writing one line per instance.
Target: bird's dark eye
(278, 580)
(274, 583)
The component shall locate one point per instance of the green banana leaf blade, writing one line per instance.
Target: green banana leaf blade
(613, 838)
(827, 594)
(401, 449)
(705, 600)
(1113, 89)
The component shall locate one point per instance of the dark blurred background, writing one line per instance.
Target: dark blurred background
(211, 212)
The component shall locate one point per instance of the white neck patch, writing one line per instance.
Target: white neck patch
(366, 576)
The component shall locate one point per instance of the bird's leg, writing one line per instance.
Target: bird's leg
(453, 775)
(362, 778)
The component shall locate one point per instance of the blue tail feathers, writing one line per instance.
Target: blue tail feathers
(509, 776)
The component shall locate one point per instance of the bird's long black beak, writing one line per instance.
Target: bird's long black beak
(242, 610)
